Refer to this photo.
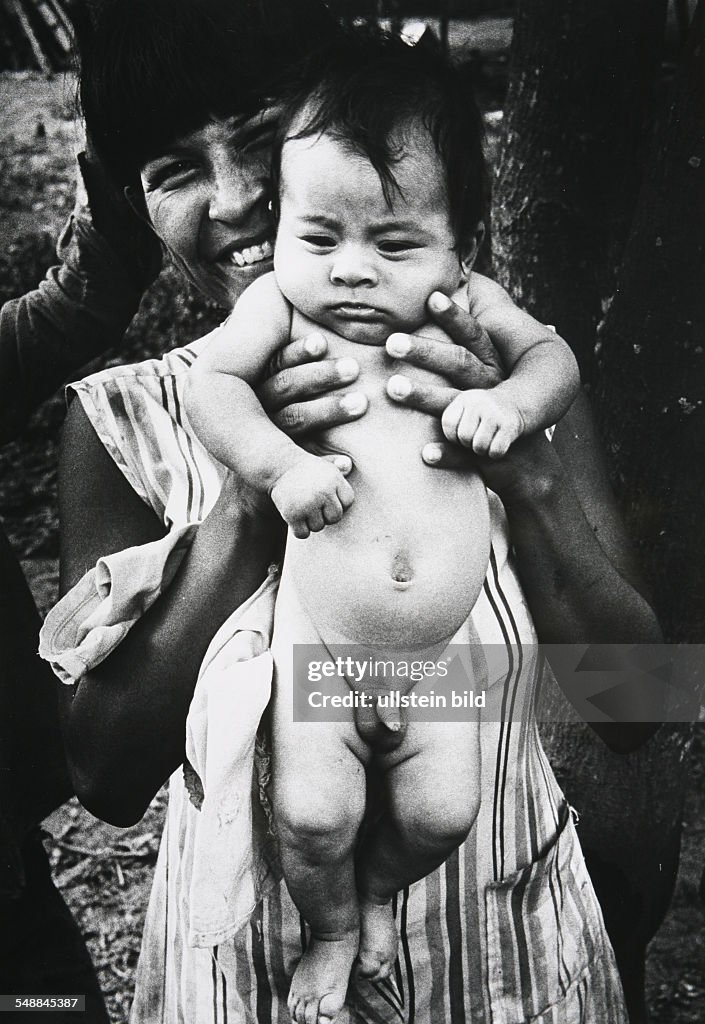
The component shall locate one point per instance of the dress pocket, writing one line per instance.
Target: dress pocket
(545, 935)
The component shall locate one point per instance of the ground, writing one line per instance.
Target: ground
(103, 872)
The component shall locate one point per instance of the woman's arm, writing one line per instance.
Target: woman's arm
(107, 259)
(124, 722)
(574, 558)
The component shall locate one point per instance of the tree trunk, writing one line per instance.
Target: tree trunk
(581, 83)
(568, 176)
(651, 393)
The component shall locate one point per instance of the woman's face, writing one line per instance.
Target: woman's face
(207, 196)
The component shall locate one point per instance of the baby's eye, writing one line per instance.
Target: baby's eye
(396, 246)
(319, 241)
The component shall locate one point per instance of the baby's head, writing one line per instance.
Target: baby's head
(380, 187)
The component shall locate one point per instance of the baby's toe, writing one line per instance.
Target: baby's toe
(329, 1007)
(373, 966)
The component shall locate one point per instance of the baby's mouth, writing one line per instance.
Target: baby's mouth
(252, 254)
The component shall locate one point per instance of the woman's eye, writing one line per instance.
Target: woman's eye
(260, 142)
(169, 175)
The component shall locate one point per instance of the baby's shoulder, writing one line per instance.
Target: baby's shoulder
(264, 290)
(482, 293)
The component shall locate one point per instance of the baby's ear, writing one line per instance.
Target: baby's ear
(471, 249)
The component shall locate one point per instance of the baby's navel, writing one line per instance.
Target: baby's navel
(401, 571)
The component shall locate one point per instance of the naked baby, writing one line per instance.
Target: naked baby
(379, 194)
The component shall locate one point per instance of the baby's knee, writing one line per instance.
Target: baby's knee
(318, 831)
(443, 822)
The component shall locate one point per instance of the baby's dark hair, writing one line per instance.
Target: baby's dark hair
(366, 90)
(153, 70)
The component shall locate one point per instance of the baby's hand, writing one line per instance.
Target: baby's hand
(311, 495)
(485, 421)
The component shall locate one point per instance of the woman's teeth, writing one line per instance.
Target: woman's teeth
(253, 254)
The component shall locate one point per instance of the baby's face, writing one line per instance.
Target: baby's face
(348, 260)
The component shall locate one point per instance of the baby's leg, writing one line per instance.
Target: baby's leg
(319, 802)
(433, 800)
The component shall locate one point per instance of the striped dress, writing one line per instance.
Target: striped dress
(508, 930)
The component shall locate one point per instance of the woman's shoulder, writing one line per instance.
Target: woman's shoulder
(137, 412)
(173, 363)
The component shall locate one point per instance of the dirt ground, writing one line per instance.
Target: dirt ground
(104, 872)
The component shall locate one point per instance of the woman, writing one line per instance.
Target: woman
(509, 928)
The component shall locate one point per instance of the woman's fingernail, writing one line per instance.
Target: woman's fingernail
(398, 345)
(438, 302)
(347, 368)
(432, 453)
(354, 403)
(398, 386)
(315, 344)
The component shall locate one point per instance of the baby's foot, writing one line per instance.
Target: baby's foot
(378, 941)
(320, 981)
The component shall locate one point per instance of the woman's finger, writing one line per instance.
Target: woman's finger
(430, 398)
(342, 462)
(466, 332)
(304, 350)
(453, 362)
(318, 414)
(299, 382)
(441, 455)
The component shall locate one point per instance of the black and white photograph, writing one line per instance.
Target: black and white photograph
(352, 472)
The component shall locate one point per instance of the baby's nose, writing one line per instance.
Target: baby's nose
(353, 268)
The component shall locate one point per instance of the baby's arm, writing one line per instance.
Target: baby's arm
(543, 379)
(226, 415)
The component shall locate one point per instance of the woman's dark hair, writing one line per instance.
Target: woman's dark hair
(152, 70)
(366, 89)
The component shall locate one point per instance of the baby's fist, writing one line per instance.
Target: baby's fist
(312, 494)
(483, 421)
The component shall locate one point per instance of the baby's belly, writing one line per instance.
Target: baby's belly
(406, 563)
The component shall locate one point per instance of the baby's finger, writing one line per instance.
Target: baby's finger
(332, 511)
(450, 420)
(483, 437)
(314, 521)
(304, 350)
(320, 413)
(300, 529)
(468, 427)
(311, 1012)
(500, 444)
(346, 494)
(430, 398)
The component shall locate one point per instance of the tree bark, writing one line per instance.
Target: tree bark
(581, 85)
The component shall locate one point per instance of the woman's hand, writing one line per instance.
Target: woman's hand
(299, 395)
(527, 473)
(295, 395)
(472, 362)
